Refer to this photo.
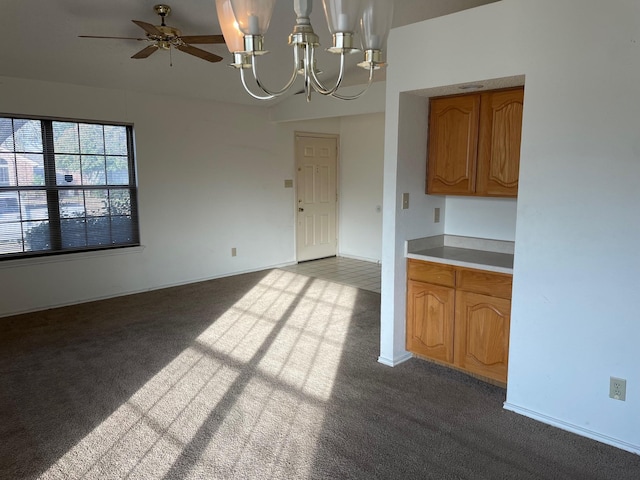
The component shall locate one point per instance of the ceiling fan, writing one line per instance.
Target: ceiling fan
(164, 37)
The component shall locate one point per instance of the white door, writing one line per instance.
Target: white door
(316, 196)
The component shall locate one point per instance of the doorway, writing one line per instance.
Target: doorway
(316, 195)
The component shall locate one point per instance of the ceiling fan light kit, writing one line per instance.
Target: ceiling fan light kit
(245, 22)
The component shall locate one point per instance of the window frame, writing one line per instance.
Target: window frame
(53, 190)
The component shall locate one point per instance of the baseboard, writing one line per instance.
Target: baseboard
(554, 422)
(395, 361)
(142, 290)
(355, 257)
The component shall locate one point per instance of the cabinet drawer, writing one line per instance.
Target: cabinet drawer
(488, 283)
(431, 273)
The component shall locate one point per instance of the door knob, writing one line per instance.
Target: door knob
(300, 209)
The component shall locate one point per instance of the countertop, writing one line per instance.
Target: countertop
(494, 261)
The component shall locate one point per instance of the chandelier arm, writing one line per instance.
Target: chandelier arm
(308, 88)
(357, 95)
(244, 84)
(309, 72)
(317, 84)
(266, 90)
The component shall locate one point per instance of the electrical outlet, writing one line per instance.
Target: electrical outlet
(234, 252)
(618, 388)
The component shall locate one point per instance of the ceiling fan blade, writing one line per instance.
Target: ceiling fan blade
(147, 27)
(116, 38)
(198, 52)
(202, 39)
(145, 52)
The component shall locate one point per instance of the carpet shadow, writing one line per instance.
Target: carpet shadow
(65, 370)
(199, 442)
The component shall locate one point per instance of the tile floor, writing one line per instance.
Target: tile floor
(348, 271)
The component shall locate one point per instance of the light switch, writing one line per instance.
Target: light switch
(436, 215)
(288, 183)
(405, 201)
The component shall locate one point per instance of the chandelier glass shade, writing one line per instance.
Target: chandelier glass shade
(245, 22)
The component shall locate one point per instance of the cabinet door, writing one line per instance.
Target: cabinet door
(453, 145)
(482, 334)
(499, 143)
(430, 314)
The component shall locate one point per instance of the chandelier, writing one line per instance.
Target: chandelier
(245, 22)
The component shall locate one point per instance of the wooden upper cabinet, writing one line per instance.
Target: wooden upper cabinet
(453, 142)
(499, 143)
(474, 143)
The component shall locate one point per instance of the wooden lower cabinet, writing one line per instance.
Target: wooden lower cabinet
(430, 310)
(482, 334)
(462, 321)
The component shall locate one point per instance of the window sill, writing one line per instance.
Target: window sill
(22, 262)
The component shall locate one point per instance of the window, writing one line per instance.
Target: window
(65, 186)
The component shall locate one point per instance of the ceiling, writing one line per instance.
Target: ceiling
(41, 42)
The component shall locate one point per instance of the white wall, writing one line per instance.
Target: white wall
(481, 217)
(211, 177)
(360, 164)
(360, 186)
(405, 171)
(577, 230)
